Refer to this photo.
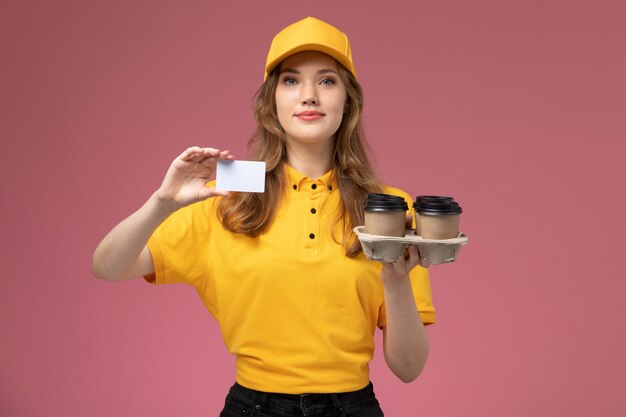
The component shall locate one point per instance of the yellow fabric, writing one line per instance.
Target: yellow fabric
(310, 34)
(298, 314)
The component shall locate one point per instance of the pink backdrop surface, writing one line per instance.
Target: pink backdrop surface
(517, 109)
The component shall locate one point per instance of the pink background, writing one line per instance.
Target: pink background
(517, 109)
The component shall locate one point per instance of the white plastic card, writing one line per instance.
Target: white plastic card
(246, 176)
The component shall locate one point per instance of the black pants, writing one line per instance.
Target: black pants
(244, 402)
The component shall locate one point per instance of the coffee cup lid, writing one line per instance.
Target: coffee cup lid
(385, 202)
(380, 196)
(436, 205)
(434, 198)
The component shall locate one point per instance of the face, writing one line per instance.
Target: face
(310, 98)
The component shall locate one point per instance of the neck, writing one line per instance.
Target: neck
(311, 159)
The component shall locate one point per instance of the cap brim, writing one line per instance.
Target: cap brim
(310, 47)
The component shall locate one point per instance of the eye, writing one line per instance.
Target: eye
(289, 81)
(328, 81)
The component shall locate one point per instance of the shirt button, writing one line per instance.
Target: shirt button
(312, 236)
(313, 211)
(314, 186)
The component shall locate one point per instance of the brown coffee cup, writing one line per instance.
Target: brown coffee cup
(437, 217)
(385, 215)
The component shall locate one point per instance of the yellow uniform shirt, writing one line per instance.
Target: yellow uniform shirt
(298, 314)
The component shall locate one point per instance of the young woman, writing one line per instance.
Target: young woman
(282, 272)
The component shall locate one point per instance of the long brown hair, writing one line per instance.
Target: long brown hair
(252, 213)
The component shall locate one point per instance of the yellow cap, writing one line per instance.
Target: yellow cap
(310, 34)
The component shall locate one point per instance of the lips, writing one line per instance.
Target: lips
(309, 115)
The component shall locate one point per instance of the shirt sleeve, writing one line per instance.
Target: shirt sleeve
(420, 278)
(420, 285)
(179, 246)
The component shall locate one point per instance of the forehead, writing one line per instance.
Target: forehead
(309, 59)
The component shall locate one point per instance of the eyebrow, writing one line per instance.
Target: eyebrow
(322, 71)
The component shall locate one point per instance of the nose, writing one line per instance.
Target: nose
(308, 95)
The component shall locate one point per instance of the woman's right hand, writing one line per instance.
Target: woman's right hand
(123, 253)
(185, 181)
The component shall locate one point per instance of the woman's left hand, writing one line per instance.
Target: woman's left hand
(404, 264)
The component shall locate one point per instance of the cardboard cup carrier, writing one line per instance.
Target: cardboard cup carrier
(385, 238)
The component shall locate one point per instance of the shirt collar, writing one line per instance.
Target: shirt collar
(297, 180)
